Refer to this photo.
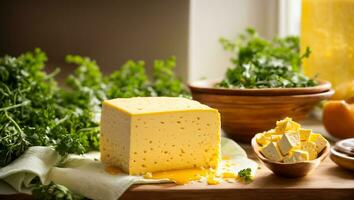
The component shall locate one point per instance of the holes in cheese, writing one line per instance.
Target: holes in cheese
(169, 133)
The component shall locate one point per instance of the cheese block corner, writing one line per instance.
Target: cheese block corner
(150, 134)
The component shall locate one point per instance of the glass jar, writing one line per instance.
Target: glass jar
(327, 27)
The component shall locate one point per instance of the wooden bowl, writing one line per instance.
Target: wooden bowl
(242, 115)
(343, 156)
(208, 86)
(292, 170)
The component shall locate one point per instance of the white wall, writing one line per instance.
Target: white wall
(211, 19)
(289, 17)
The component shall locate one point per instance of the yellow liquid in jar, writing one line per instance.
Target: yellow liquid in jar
(327, 27)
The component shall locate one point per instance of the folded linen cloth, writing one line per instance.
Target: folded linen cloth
(85, 174)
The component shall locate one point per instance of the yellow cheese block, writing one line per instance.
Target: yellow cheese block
(286, 124)
(305, 134)
(150, 134)
(319, 140)
(310, 147)
(288, 141)
(271, 152)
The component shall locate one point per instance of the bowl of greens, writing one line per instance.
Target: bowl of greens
(264, 85)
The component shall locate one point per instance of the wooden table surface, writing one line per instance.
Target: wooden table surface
(328, 181)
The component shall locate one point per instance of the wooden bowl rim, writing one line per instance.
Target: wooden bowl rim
(323, 154)
(334, 152)
(322, 95)
(206, 86)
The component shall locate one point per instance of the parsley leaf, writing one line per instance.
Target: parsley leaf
(245, 175)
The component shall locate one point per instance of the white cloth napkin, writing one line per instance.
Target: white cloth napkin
(85, 174)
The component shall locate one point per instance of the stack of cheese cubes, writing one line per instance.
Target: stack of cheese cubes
(289, 143)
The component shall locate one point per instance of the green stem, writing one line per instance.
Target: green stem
(16, 125)
(62, 120)
(7, 88)
(15, 106)
(54, 73)
(88, 129)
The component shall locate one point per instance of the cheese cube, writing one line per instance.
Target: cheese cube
(270, 133)
(300, 155)
(310, 147)
(289, 159)
(319, 140)
(305, 134)
(286, 124)
(275, 138)
(288, 141)
(150, 134)
(271, 152)
(262, 139)
(296, 156)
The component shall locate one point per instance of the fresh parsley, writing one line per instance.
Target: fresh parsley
(259, 63)
(54, 191)
(27, 114)
(245, 175)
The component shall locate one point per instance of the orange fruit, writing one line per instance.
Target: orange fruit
(338, 118)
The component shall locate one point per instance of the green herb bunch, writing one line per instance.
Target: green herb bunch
(27, 114)
(82, 105)
(260, 63)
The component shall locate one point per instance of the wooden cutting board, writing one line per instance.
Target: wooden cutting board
(328, 181)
